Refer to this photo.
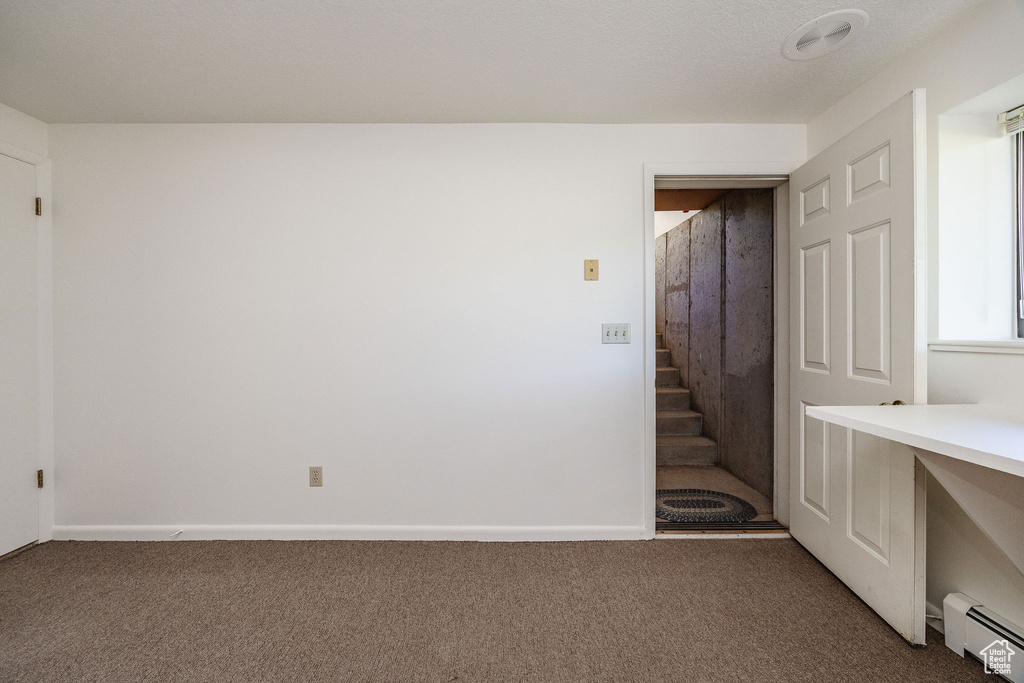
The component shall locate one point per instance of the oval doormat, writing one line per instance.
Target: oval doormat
(700, 505)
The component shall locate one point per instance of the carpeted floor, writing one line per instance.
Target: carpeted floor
(660, 611)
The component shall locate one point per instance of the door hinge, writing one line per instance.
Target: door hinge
(39, 479)
(39, 206)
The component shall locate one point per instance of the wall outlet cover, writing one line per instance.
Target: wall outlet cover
(316, 476)
(615, 333)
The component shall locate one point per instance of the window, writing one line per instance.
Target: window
(980, 265)
(1013, 124)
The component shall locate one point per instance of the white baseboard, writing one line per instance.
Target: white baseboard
(288, 532)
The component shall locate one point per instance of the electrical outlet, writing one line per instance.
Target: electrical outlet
(316, 476)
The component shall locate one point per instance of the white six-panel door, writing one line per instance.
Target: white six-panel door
(19, 378)
(857, 500)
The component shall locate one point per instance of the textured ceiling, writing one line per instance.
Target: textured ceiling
(590, 61)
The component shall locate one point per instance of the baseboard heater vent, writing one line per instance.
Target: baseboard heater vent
(973, 630)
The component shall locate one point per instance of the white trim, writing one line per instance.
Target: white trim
(921, 303)
(921, 333)
(735, 182)
(343, 532)
(729, 168)
(22, 154)
(44, 342)
(650, 457)
(678, 171)
(920, 550)
(780, 499)
(999, 346)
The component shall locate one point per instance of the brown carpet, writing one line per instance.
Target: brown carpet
(662, 611)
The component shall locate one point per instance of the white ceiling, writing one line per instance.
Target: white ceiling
(590, 61)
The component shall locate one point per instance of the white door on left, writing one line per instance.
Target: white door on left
(19, 353)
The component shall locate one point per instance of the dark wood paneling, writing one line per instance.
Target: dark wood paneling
(685, 200)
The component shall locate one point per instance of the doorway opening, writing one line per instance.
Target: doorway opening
(715, 350)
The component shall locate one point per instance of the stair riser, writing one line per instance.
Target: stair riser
(679, 425)
(664, 358)
(670, 455)
(673, 401)
(666, 377)
(659, 340)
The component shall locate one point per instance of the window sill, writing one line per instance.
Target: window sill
(1010, 346)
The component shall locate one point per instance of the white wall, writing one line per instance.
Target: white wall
(666, 220)
(234, 303)
(979, 53)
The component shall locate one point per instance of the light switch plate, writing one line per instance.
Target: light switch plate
(590, 269)
(615, 333)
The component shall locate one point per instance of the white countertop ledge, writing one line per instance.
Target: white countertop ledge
(985, 435)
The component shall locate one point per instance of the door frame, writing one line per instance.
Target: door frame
(738, 175)
(44, 329)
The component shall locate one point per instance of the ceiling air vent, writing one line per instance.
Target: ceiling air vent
(826, 34)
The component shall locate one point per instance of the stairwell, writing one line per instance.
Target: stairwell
(679, 438)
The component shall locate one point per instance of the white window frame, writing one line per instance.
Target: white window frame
(1018, 144)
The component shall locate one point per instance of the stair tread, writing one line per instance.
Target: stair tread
(686, 440)
(672, 390)
(678, 413)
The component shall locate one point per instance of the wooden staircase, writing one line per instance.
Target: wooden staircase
(679, 440)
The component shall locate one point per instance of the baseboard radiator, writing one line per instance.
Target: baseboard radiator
(973, 630)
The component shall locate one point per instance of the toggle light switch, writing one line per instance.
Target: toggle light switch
(615, 333)
(590, 269)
